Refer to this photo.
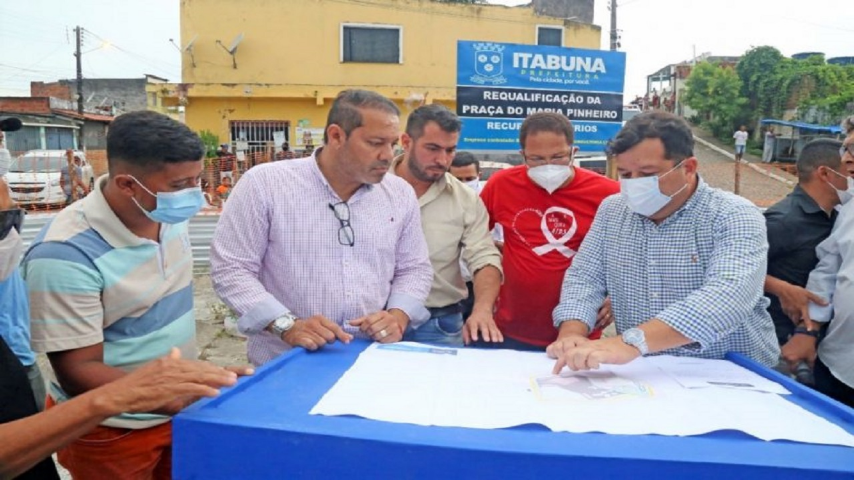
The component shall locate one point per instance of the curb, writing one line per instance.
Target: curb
(729, 155)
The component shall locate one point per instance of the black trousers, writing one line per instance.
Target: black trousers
(831, 386)
(16, 402)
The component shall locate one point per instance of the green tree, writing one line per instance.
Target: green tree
(715, 93)
(755, 70)
(773, 84)
(211, 142)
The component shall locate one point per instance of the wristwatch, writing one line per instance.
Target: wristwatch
(283, 324)
(804, 331)
(636, 338)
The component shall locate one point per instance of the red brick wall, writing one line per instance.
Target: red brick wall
(25, 105)
(55, 89)
(98, 160)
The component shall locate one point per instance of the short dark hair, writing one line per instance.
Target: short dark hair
(546, 122)
(149, 139)
(672, 130)
(464, 159)
(345, 109)
(447, 120)
(817, 153)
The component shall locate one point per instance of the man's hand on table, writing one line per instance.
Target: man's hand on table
(315, 332)
(582, 354)
(385, 326)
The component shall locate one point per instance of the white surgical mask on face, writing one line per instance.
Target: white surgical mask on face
(473, 184)
(847, 194)
(550, 177)
(643, 194)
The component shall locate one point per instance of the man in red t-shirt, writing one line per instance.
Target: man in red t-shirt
(546, 207)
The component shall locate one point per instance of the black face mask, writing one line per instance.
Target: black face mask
(10, 219)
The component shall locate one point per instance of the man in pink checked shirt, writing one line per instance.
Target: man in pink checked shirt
(327, 247)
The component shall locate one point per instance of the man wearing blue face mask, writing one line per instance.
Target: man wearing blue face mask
(684, 263)
(110, 288)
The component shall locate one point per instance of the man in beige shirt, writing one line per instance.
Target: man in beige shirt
(455, 223)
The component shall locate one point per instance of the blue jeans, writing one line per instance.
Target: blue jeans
(445, 330)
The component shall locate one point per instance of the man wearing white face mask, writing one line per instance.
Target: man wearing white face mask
(684, 263)
(796, 225)
(546, 207)
(831, 280)
(110, 287)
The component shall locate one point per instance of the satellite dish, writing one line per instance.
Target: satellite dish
(189, 47)
(233, 48)
(235, 43)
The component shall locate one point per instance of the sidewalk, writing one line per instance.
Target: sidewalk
(752, 161)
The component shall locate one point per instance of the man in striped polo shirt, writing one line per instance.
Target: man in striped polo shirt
(110, 285)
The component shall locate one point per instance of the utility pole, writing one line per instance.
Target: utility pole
(79, 55)
(614, 36)
(79, 34)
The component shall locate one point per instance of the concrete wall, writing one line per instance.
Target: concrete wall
(581, 9)
(125, 94)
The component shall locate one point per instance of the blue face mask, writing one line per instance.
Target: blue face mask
(173, 207)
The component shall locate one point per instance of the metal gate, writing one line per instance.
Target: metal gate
(257, 135)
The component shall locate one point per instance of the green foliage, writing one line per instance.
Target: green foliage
(715, 93)
(211, 142)
(773, 84)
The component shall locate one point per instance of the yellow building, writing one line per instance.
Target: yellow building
(255, 67)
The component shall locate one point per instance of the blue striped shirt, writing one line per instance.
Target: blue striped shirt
(92, 281)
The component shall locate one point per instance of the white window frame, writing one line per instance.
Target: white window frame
(551, 27)
(377, 26)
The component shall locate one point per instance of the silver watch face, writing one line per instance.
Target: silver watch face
(283, 324)
(633, 336)
(636, 338)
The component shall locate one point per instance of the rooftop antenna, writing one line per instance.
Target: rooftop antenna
(232, 49)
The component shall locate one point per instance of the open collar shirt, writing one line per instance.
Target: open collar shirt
(456, 226)
(276, 250)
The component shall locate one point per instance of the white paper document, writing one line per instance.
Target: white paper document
(423, 385)
(705, 373)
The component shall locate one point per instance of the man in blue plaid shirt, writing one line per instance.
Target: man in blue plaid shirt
(684, 263)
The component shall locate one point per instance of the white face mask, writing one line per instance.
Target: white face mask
(473, 184)
(11, 249)
(844, 195)
(643, 195)
(550, 177)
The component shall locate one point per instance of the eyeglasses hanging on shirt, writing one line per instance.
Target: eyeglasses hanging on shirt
(346, 235)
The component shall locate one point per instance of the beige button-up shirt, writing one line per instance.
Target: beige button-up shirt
(456, 225)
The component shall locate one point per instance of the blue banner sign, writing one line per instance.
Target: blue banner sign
(499, 84)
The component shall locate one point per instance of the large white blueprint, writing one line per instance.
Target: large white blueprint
(422, 385)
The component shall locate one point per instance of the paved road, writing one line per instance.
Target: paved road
(719, 171)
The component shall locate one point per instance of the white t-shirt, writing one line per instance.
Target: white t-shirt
(5, 161)
(740, 137)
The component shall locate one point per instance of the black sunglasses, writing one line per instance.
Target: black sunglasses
(346, 235)
(10, 219)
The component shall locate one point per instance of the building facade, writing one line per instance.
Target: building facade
(255, 72)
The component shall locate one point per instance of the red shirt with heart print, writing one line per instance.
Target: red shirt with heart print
(542, 232)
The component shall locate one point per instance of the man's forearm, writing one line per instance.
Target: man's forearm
(573, 327)
(661, 336)
(80, 377)
(487, 284)
(774, 285)
(38, 436)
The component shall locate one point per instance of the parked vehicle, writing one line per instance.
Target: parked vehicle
(35, 177)
(488, 168)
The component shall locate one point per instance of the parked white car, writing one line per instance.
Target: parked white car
(35, 177)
